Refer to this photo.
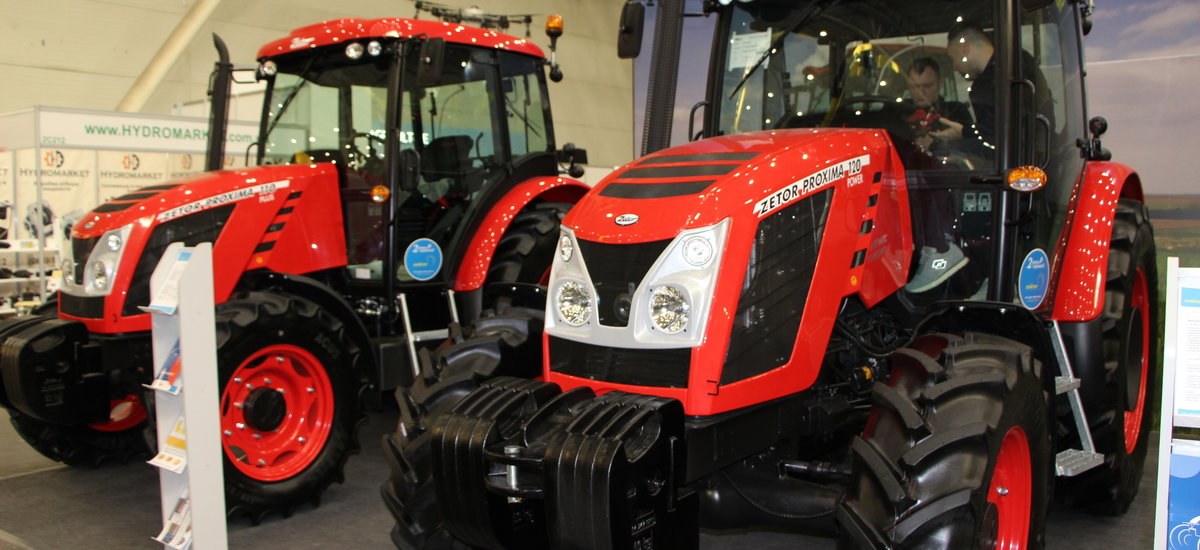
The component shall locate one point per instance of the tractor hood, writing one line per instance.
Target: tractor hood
(746, 176)
(180, 197)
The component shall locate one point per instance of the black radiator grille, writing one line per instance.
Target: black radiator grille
(191, 230)
(662, 368)
(80, 250)
(778, 278)
(616, 270)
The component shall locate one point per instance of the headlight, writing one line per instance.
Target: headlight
(374, 48)
(113, 241)
(565, 248)
(697, 251)
(354, 50)
(574, 303)
(99, 275)
(669, 309)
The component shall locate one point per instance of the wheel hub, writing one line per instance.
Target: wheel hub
(265, 409)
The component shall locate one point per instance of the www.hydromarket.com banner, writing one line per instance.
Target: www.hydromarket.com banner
(114, 131)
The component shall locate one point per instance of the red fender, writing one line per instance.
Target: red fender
(473, 270)
(1079, 295)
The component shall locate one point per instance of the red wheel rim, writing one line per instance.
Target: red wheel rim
(123, 414)
(289, 375)
(1133, 417)
(1011, 491)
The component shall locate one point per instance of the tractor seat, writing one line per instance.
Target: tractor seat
(446, 157)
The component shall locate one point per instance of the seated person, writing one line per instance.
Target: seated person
(936, 123)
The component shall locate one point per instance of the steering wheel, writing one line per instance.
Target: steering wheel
(358, 159)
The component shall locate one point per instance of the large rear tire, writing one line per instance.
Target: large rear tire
(289, 403)
(494, 345)
(526, 251)
(956, 452)
(1129, 338)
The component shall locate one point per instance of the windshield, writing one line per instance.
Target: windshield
(322, 108)
(857, 63)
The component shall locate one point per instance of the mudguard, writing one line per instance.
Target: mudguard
(1079, 292)
(472, 272)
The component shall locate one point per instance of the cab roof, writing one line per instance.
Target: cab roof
(341, 30)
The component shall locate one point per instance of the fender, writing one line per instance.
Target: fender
(1082, 273)
(478, 257)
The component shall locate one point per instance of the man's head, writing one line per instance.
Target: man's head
(970, 49)
(924, 81)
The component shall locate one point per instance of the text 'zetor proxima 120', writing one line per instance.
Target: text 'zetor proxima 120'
(896, 290)
(403, 165)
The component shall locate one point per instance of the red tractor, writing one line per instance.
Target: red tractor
(812, 316)
(407, 176)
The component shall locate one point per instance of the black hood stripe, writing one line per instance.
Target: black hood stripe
(699, 157)
(619, 190)
(163, 187)
(691, 170)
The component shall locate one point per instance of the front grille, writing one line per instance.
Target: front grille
(778, 278)
(616, 270)
(80, 250)
(191, 230)
(660, 368)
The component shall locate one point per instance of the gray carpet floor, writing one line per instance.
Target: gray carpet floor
(44, 506)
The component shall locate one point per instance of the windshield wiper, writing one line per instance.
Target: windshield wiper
(291, 95)
(814, 8)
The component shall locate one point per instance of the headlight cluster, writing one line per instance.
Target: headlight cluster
(668, 307)
(100, 267)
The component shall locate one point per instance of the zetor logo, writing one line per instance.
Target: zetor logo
(130, 162)
(298, 42)
(627, 219)
(53, 159)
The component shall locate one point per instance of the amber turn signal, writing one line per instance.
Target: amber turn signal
(380, 193)
(1026, 179)
(554, 26)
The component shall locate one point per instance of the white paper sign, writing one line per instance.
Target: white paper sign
(1187, 363)
(746, 49)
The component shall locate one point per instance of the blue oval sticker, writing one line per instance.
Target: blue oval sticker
(1034, 279)
(423, 259)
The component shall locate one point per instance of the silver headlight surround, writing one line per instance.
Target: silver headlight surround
(100, 267)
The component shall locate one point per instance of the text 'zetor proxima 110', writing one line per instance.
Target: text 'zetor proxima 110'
(403, 165)
(897, 291)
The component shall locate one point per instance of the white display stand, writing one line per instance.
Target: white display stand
(184, 328)
(1177, 518)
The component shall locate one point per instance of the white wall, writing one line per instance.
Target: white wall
(87, 54)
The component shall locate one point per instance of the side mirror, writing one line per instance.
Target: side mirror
(410, 169)
(429, 62)
(629, 35)
(574, 157)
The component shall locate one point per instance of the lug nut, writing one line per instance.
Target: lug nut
(238, 405)
(228, 433)
(257, 436)
(237, 380)
(266, 381)
(1002, 491)
(278, 358)
(262, 462)
(240, 426)
(303, 440)
(312, 390)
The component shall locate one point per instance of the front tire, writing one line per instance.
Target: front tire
(117, 441)
(289, 403)
(494, 345)
(956, 452)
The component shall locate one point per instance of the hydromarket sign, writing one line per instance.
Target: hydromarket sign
(90, 130)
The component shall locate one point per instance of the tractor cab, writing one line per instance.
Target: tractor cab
(931, 74)
(428, 124)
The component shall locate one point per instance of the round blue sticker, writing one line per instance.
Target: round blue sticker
(423, 259)
(1034, 278)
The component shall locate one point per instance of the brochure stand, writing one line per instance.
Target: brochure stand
(1177, 518)
(186, 404)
